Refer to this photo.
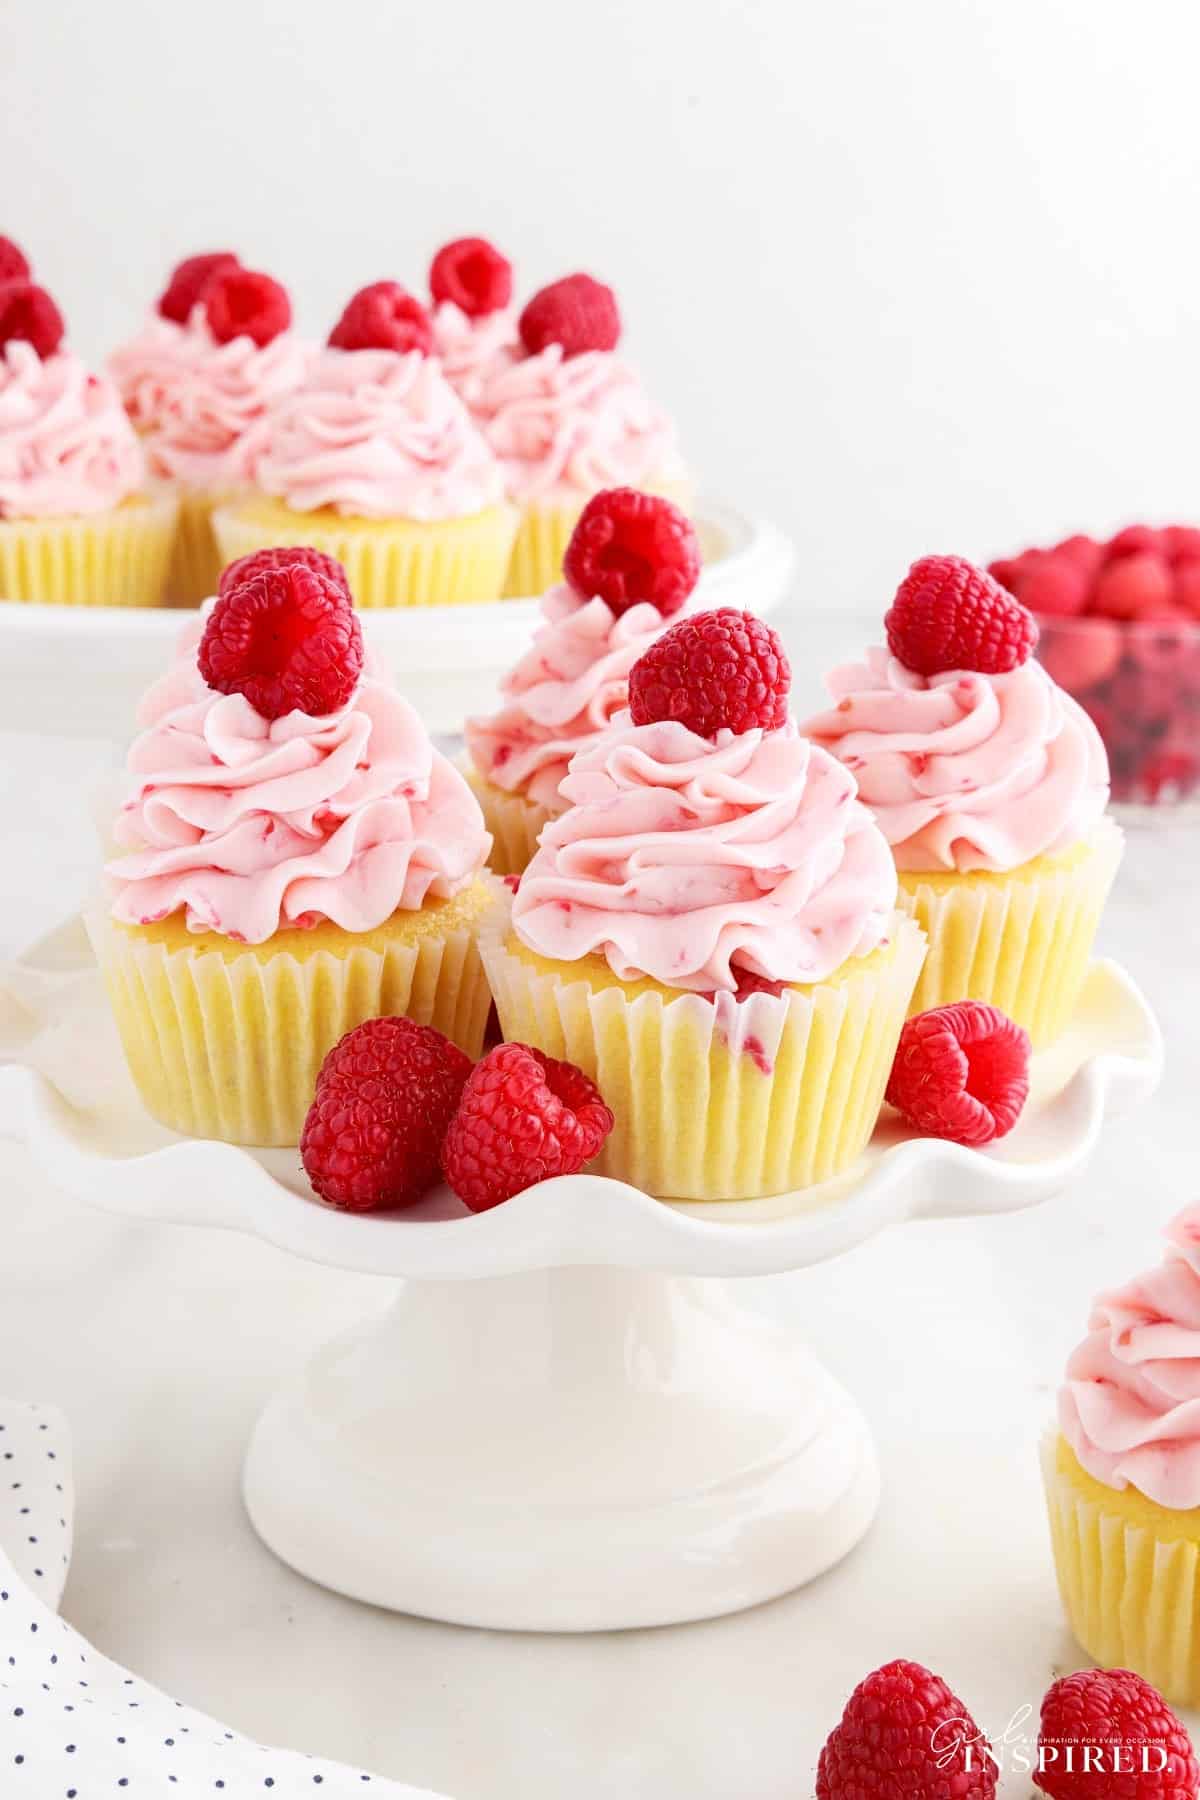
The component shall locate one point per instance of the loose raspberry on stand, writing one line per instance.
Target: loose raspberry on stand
(628, 546)
(948, 614)
(905, 1736)
(578, 313)
(1106, 1710)
(288, 639)
(29, 314)
(961, 1072)
(14, 264)
(473, 274)
(523, 1118)
(714, 671)
(383, 316)
(244, 303)
(280, 556)
(385, 1096)
(189, 282)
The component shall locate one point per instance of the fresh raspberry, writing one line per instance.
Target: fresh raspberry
(1186, 588)
(523, 1118)
(577, 313)
(244, 303)
(1103, 1711)
(961, 1072)
(14, 264)
(385, 1095)
(713, 671)
(1083, 550)
(1135, 540)
(1059, 587)
(288, 639)
(1181, 544)
(1136, 586)
(628, 546)
(948, 614)
(473, 274)
(281, 556)
(189, 283)
(27, 312)
(383, 316)
(1080, 656)
(905, 1736)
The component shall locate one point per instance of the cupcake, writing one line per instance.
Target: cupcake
(198, 381)
(77, 525)
(990, 784)
(567, 417)
(293, 856)
(632, 561)
(709, 931)
(376, 461)
(1122, 1474)
(473, 323)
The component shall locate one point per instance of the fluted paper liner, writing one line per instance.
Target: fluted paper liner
(116, 558)
(1021, 941)
(196, 561)
(514, 822)
(720, 1101)
(545, 531)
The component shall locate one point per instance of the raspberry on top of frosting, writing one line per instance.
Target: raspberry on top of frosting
(66, 446)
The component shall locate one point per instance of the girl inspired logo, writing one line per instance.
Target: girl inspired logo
(959, 1744)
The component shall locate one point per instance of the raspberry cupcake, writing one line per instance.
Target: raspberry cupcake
(198, 381)
(473, 322)
(376, 461)
(990, 784)
(709, 931)
(1122, 1474)
(632, 561)
(77, 524)
(294, 857)
(568, 417)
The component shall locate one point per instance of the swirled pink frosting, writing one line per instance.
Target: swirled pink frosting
(966, 771)
(687, 859)
(378, 435)
(562, 694)
(203, 405)
(472, 350)
(246, 824)
(571, 425)
(1130, 1405)
(66, 446)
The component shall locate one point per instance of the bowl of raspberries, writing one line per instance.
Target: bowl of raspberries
(1120, 630)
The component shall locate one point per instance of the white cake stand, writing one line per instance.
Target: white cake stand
(562, 1422)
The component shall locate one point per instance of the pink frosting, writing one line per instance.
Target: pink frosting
(562, 694)
(378, 435)
(203, 405)
(1130, 1406)
(66, 446)
(687, 859)
(966, 771)
(472, 350)
(571, 425)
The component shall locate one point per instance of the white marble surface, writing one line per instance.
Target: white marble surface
(160, 1345)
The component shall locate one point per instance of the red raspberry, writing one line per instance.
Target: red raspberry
(281, 556)
(189, 283)
(383, 316)
(1134, 541)
(288, 639)
(385, 1096)
(473, 274)
(14, 264)
(523, 1118)
(1102, 1711)
(1181, 543)
(629, 546)
(1080, 656)
(577, 313)
(1135, 586)
(1083, 550)
(961, 1072)
(1187, 588)
(905, 1736)
(242, 303)
(713, 671)
(1058, 587)
(947, 614)
(28, 313)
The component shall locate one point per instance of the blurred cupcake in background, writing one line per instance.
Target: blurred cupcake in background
(198, 380)
(473, 321)
(376, 461)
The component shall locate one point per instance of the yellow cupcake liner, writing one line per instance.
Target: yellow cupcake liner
(718, 1101)
(514, 822)
(545, 531)
(196, 560)
(1021, 940)
(225, 1040)
(388, 562)
(116, 558)
(1128, 1573)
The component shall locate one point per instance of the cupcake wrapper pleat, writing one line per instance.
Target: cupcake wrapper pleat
(196, 561)
(514, 822)
(118, 558)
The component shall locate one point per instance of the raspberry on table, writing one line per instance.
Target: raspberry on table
(905, 1736)
(1101, 1709)
(578, 313)
(628, 546)
(383, 316)
(280, 556)
(245, 303)
(473, 274)
(961, 1072)
(384, 1098)
(28, 313)
(523, 1118)
(14, 264)
(288, 639)
(948, 615)
(189, 282)
(713, 671)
